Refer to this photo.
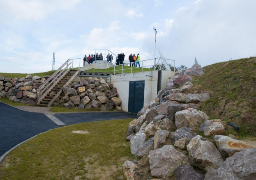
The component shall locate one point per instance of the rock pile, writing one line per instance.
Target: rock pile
(91, 93)
(165, 135)
(22, 90)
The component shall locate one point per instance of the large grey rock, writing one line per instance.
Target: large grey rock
(30, 95)
(83, 82)
(190, 118)
(160, 138)
(19, 94)
(183, 132)
(137, 141)
(81, 106)
(2, 94)
(1, 88)
(27, 100)
(96, 104)
(92, 96)
(75, 100)
(1, 78)
(29, 77)
(242, 165)
(169, 84)
(1, 83)
(184, 172)
(164, 124)
(162, 108)
(212, 127)
(186, 87)
(165, 160)
(85, 100)
(147, 146)
(179, 97)
(69, 105)
(129, 170)
(8, 84)
(143, 110)
(29, 83)
(132, 130)
(228, 146)
(193, 98)
(35, 78)
(117, 101)
(102, 99)
(204, 154)
(150, 129)
(182, 79)
(195, 70)
(70, 92)
(181, 143)
(99, 93)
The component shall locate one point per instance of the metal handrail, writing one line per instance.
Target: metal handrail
(51, 81)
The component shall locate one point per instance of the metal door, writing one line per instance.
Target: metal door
(136, 96)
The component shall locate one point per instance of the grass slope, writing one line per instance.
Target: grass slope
(20, 75)
(59, 154)
(232, 86)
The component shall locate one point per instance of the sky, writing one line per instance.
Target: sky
(211, 30)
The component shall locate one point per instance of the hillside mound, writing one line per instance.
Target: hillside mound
(232, 87)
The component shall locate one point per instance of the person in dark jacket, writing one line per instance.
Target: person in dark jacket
(84, 59)
(130, 59)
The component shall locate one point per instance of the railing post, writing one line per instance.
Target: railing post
(131, 68)
(114, 70)
(122, 68)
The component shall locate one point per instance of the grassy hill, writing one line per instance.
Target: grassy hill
(232, 86)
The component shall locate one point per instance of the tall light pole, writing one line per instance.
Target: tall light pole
(155, 49)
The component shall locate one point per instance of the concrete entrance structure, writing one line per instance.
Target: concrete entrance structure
(121, 82)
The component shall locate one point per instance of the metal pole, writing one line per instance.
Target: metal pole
(155, 50)
(131, 69)
(122, 68)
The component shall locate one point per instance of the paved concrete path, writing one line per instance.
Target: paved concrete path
(17, 125)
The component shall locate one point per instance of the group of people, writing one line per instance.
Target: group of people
(92, 57)
(134, 60)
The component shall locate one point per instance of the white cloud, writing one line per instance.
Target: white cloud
(139, 36)
(132, 13)
(157, 2)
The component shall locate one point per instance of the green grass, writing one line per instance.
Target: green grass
(126, 69)
(59, 154)
(233, 96)
(12, 103)
(20, 75)
(63, 109)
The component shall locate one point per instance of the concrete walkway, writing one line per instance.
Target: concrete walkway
(18, 125)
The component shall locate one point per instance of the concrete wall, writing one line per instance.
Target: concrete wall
(121, 82)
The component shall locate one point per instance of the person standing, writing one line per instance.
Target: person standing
(134, 59)
(138, 60)
(89, 59)
(84, 59)
(131, 59)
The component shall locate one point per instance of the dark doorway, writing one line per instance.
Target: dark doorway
(136, 96)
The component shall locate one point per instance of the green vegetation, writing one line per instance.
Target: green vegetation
(118, 69)
(20, 75)
(232, 86)
(12, 103)
(60, 154)
(56, 109)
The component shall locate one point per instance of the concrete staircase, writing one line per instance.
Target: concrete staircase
(51, 89)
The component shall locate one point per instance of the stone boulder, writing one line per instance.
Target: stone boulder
(29, 77)
(70, 92)
(165, 160)
(83, 82)
(129, 170)
(169, 84)
(19, 94)
(1, 83)
(2, 94)
(1, 78)
(193, 98)
(204, 154)
(185, 172)
(143, 110)
(186, 87)
(35, 78)
(69, 105)
(117, 101)
(164, 124)
(160, 138)
(29, 83)
(75, 100)
(228, 146)
(195, 70)
(132, 130)
(242, 165)
(92, 96)
(181, 133)
(81, 106)
(150, 129)
(137, 141)
(181, 143)
(30, 95)
(102, 99)
(96, 104)
(8, 84)
(179, 97)
(190, 118)
(147, 146)
(85, 100)
(212, 127)
(182, 79)
(162, 108)
(81, 89)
